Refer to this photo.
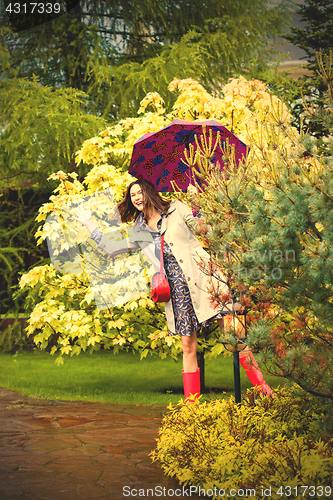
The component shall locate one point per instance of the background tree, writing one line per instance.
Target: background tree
(117, 52)
(317, 34)
(315, 37)
(40, 130)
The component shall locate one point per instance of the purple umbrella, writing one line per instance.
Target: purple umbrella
(157, 156)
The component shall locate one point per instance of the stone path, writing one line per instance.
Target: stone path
(57, 450)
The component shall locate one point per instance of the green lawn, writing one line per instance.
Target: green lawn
(103, 376)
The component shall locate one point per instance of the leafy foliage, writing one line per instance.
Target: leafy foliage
(41, 129)
(12, 337)
(243, 105)
(60, 323)
(18, 250)
(261, 443)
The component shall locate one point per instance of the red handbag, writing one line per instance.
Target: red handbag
(160, 288)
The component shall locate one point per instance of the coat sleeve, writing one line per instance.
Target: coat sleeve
(118, 242)
(193, 222)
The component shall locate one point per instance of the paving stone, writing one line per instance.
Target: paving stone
(116, 491)
(87, 474)
(111, 460)
(42, 485)
(90, 451)
(72, 440)
(78, 463)
(33, 468)
(9, 491)
(76, 450)
(107, 441)
(11, 461)
(39, 421)
(97, 439)
(118, 450)
(45, 445)
(13, 435)
(150, 442)
(35, 459)
(57, 495)
(33, 437)
(64, 468)
(92, 491)
(30, 479)
(139, 456)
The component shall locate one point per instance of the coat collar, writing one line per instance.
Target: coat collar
(164, 226)
(141, 224)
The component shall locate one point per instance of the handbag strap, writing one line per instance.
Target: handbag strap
(162, 245)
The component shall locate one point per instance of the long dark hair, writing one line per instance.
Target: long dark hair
(151, 199)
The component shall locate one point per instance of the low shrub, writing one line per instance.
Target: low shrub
(12, 336)
(260, 443)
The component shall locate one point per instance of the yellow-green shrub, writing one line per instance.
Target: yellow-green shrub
(262, 442)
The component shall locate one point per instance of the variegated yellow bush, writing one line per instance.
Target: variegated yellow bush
(247, 108)
(260, 444)
(65, 318)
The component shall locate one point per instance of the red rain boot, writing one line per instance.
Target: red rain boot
(191, 381)
(254, 374)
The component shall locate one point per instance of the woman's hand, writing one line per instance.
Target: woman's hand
(83, 215)
(192, 190)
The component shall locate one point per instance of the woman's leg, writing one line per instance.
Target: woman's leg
(190, 346)
(191, 374)
(251, 368)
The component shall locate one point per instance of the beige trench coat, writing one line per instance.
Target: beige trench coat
(187, 250)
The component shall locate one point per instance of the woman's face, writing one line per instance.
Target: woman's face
(136, 195)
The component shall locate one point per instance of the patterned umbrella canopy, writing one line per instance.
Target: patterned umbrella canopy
(157, 156)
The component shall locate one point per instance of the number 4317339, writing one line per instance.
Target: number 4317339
(305, 491)
(31, 7)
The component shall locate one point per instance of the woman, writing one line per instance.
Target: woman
(189, 305)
